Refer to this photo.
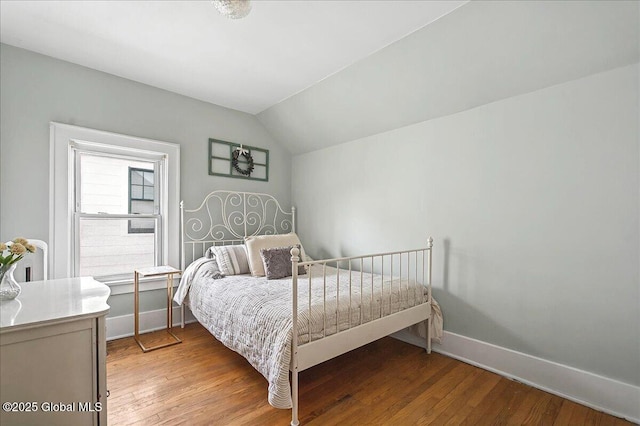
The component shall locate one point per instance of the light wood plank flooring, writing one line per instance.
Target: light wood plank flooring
(388, 382)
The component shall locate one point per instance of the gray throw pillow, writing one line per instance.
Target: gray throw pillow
(277, 262)
(232, 260)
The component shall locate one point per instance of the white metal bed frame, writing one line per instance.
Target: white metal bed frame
(227, 217)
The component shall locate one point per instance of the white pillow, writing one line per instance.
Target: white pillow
(232, 260)
(256, 243)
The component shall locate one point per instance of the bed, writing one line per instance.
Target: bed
(285, 324)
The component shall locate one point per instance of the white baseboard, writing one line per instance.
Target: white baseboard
(600, 393)
(122, 326)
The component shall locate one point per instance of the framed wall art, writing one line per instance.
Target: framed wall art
(230, 159)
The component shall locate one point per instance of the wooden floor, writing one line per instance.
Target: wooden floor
(388, 382)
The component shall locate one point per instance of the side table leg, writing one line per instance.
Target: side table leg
(169, 301)
(136, 309)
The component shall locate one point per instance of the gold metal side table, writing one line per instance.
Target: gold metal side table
(155, 271)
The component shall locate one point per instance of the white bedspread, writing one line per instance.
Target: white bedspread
(252, 315)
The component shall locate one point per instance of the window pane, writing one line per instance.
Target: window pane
(136, 177)
(136, 192)
(141, 225)
(108, 248)
(142, 207)
(148, 178)
(148, 193)
(104, 183)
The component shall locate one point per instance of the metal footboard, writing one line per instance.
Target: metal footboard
(410, 268)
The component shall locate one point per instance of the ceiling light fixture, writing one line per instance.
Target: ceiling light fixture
(233, 9)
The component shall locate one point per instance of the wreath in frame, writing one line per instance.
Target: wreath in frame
(240, 151)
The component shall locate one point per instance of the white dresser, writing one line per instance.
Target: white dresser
(53, 354)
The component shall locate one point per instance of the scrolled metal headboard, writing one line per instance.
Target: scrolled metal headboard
(227, 217)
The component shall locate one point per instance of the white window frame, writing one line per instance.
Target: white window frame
(64, 138)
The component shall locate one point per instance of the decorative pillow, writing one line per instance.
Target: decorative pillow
(232, 260)
(256, 243)
(277, 262)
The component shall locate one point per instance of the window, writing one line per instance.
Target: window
(114, 204)
(109, 239)
(141, 199)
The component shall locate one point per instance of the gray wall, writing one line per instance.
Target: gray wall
(534, 206)
(37, 89)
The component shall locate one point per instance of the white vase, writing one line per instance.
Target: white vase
(9, 287)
